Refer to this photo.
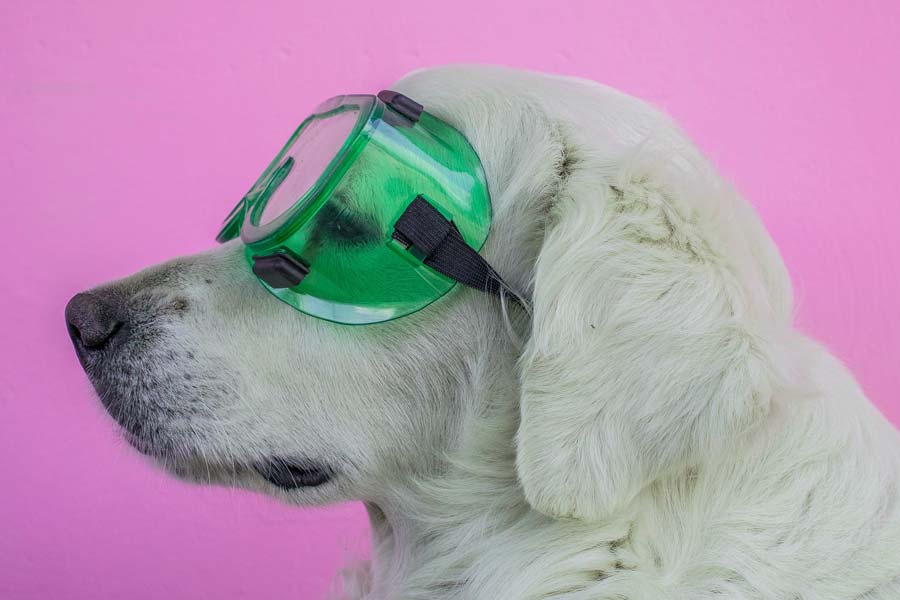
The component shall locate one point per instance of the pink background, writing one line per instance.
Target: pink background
(128, 131)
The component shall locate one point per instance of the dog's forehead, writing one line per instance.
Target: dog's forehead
(493, 103)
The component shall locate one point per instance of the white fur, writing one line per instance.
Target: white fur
(665, 433)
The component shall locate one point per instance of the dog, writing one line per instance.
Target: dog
(652, 427)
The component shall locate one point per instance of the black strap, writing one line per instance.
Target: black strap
(437, 242)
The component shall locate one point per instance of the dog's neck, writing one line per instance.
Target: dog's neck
(419, 525)
(395, 541)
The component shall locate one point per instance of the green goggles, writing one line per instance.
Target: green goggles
(372, 210)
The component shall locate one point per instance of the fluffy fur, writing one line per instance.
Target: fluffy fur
(655, 429)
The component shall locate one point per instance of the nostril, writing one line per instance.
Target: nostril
(91, 320)
(73, 332)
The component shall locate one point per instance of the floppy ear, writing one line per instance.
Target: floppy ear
(646, 353)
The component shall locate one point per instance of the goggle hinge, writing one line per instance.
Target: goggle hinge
(280, 270)
(402, 104)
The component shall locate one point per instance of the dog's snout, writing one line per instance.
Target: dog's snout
(92, 320)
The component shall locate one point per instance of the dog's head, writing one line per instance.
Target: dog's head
(655, 293)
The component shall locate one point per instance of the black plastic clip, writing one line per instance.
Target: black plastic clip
(403, 105)
(280, 270)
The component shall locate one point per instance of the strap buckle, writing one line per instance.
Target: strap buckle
(436, 241)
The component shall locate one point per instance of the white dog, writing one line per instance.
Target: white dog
(654, 429)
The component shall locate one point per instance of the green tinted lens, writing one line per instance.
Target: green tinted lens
(307, 159)
(340, 226)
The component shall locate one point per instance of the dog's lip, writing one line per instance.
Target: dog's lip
(290, 475)
(285, 474)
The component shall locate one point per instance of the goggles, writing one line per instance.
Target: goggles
(373, 210)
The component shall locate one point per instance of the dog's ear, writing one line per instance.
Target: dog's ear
(653, 295)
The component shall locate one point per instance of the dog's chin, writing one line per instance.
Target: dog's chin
(286, 474)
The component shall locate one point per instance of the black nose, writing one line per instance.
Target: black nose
(91, 320)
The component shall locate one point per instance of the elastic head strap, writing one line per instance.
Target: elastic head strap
(436, 241)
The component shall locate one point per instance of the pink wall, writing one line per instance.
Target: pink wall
(128, 132)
